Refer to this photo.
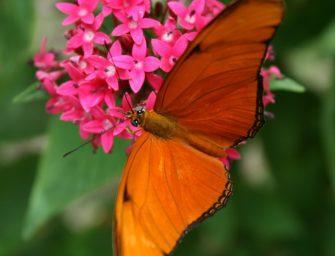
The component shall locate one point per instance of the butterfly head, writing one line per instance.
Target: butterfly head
(136, 115)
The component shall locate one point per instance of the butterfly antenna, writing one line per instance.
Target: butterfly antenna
(77, 148)
(84, 144)
(131, 109)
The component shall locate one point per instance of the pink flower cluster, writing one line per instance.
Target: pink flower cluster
(106, 70)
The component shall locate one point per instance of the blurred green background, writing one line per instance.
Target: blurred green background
(283, 202)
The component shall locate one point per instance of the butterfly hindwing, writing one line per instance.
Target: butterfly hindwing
(167, 186)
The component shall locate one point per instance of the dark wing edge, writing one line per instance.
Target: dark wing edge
(218, 205)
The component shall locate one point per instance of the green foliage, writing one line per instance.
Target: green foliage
(328, 121)
(15, 183)
(60, 181)
(31, 93)
(286, 84)
(16, 31)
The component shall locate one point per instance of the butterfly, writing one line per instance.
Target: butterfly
(211, 101)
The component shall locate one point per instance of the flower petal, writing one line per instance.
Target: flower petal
(149, 23)
(137, 35)
(180, 46)
(123, 61)
(156, 81)
(115, 49)
(113, 83)
(88, 19)
(136, 80)
(67, 8)
(160, 47)
(91, 5)
(150, 103)
(151, 64)
(69, 20)
(107, 141)
(178, 8)
(120, 30)
(67, 88)
(95, 126)
(139, 51)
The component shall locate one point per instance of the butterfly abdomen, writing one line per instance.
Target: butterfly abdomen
(167, 128)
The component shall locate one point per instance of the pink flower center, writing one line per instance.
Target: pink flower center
(83, 64)
(89, 36)
(82, 12)
(168, 36)
(132, 24)
(110, 71)
(107, 124)
(138, 64)
(190, 18)
(172, 60)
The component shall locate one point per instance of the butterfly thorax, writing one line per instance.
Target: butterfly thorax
(158, 124)
(168, 128)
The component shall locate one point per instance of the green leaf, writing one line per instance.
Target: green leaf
(31, 93)
(60, 181)
(286, 84)
(328, 128)
(18, 121)
(327, 40)
(15, 183)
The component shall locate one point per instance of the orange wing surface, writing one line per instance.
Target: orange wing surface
(167, 186)
(215, 91)
(215, 88)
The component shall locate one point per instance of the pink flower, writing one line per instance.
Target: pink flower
(232, 154)
(190, 17)
(107, 68)
(126, 5)
(268, 74)
(57, 103)
(169, 54)
(43, 59)
(213, 8)
(51, 76)
(83, 11)
(73, 114)
(104, 127)
(88, 36)
(168, 32)
(82, 63)
(133, 25)
(142, 64)
(155, 81)
(93, 93)
(70, 87)
(150, 102)
(270, 55)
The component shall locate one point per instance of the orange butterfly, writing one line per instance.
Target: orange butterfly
(210, 101)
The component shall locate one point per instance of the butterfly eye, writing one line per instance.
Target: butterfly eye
(135, 122)
(140, 112)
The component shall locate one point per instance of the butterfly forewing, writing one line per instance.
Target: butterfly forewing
(215, 88)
